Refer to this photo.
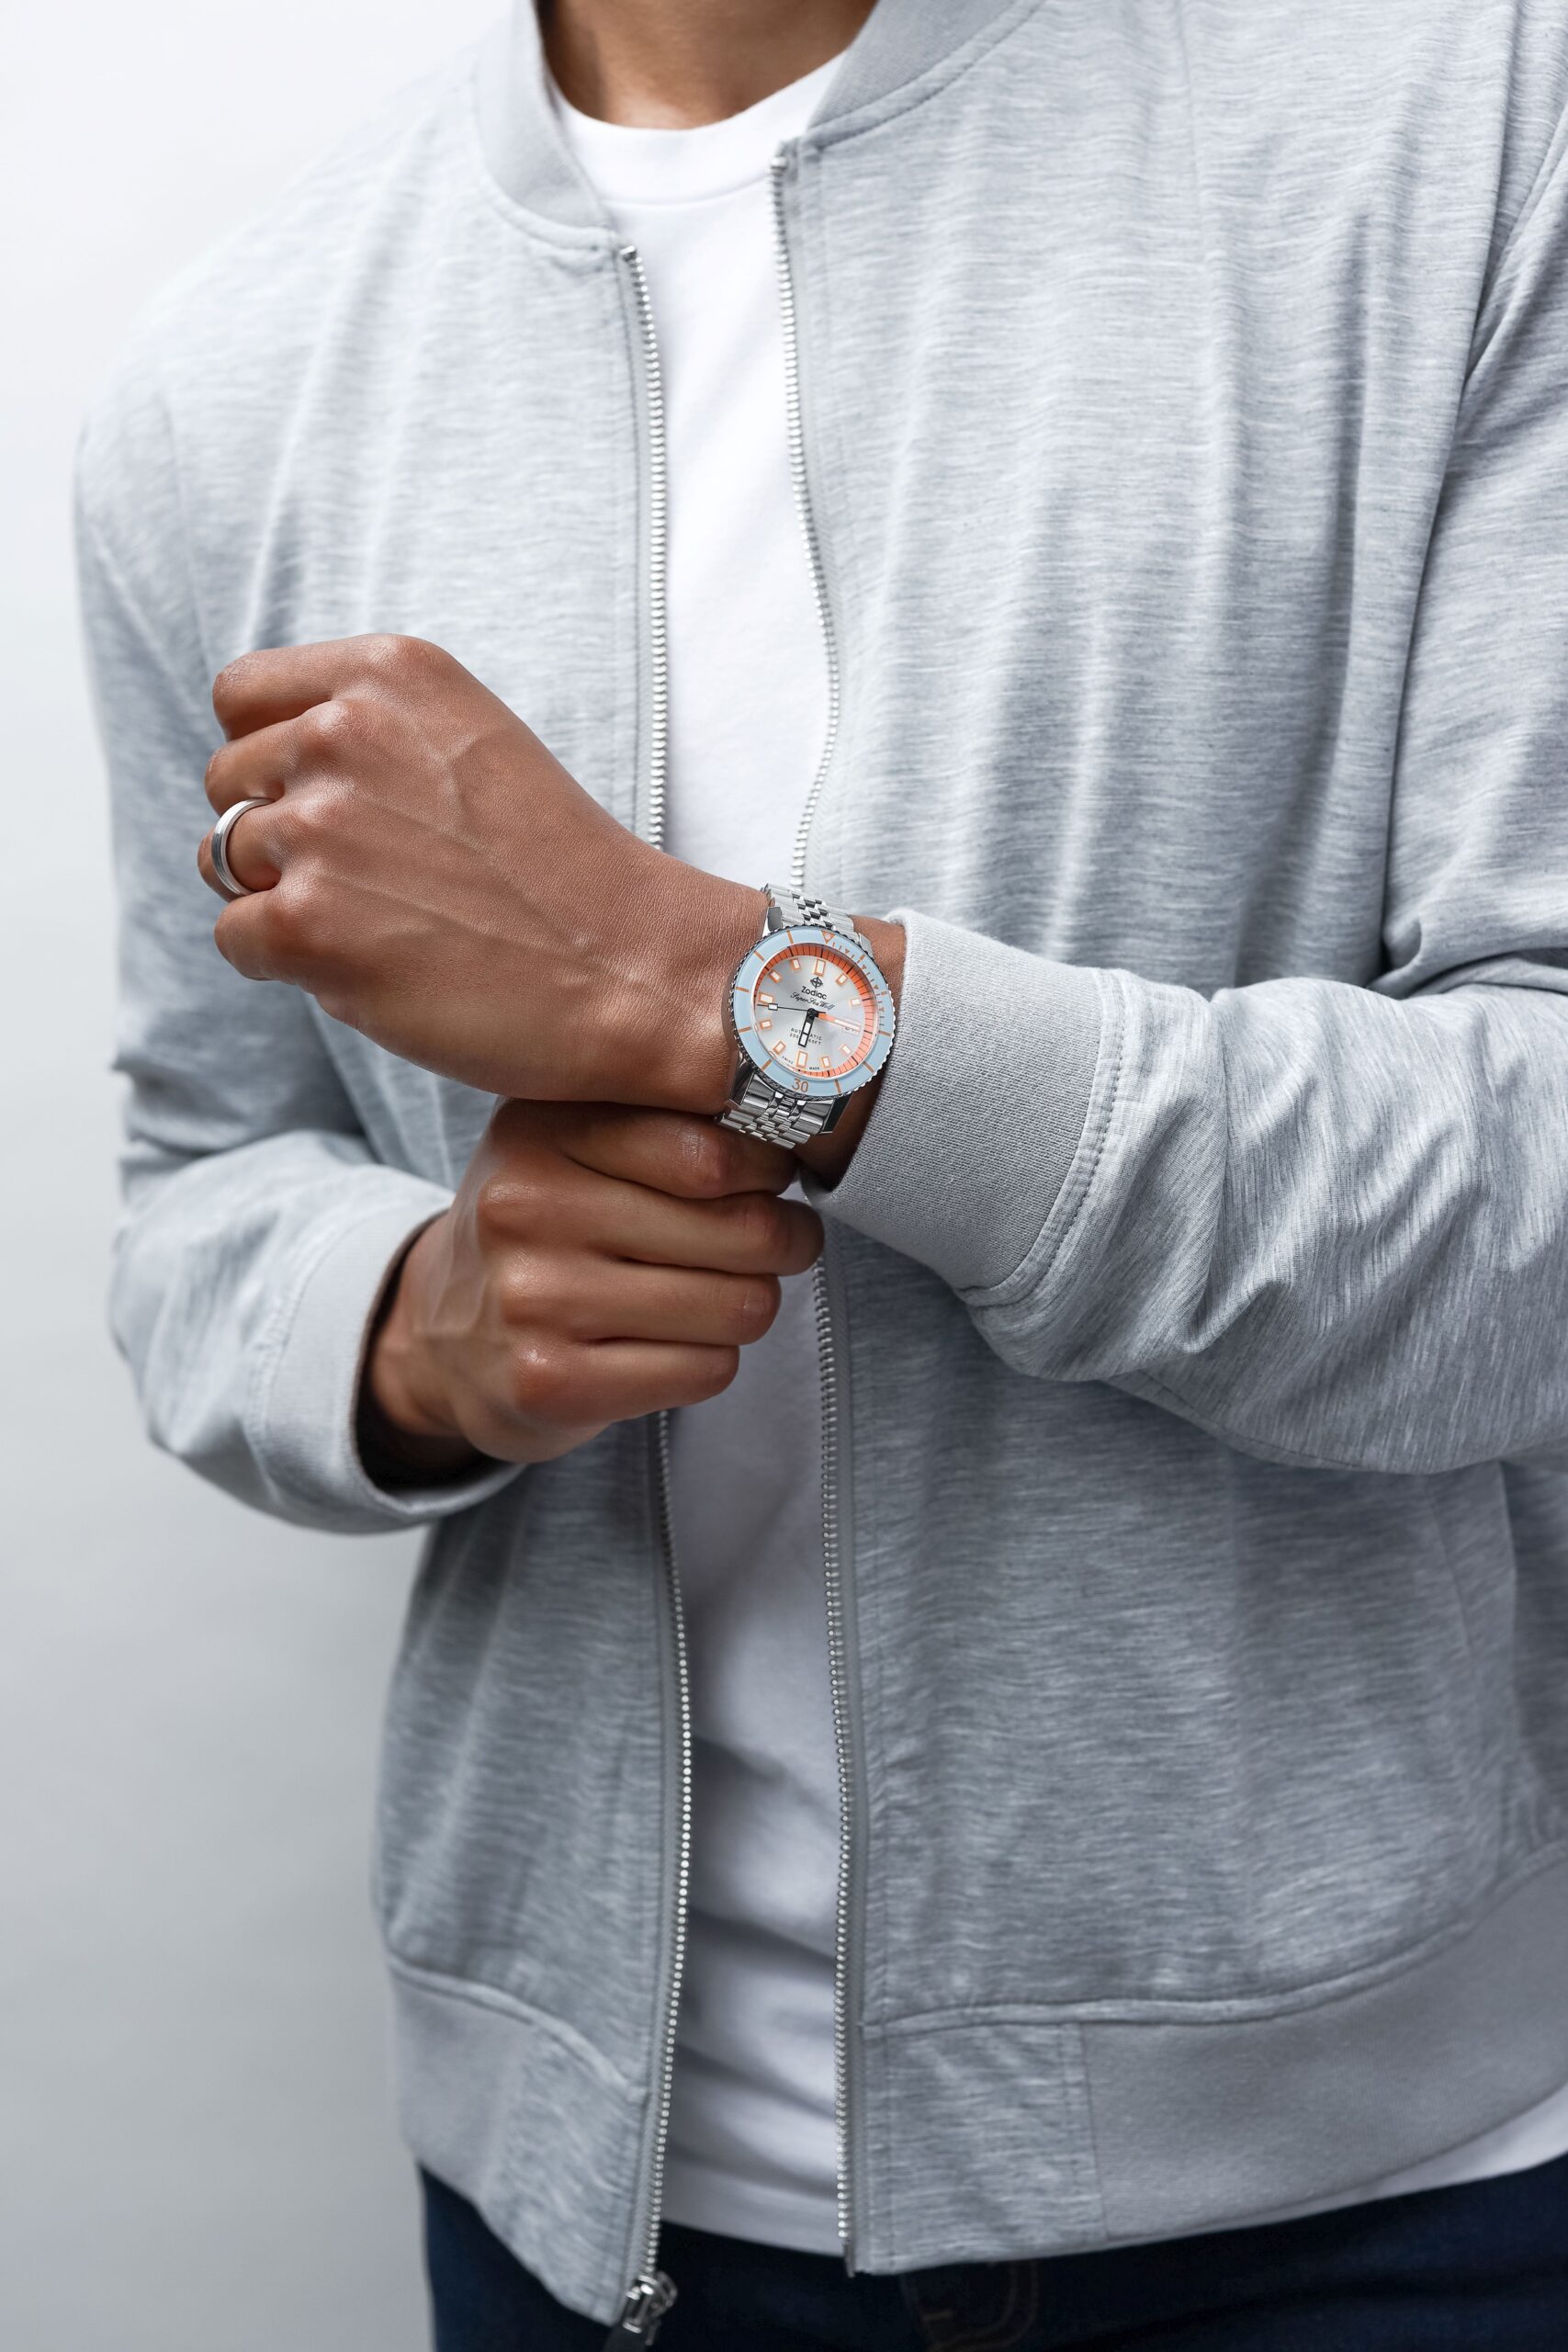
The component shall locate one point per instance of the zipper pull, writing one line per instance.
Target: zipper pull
(648, 2300)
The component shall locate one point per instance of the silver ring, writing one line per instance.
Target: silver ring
(218, 847)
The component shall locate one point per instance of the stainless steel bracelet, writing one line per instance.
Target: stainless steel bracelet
(787, 906)
(758, 1107)
(770, 1115)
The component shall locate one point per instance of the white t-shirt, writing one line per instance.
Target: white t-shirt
(752, 2142)
(752, 2146)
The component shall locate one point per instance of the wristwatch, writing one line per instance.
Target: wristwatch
(812, 1019)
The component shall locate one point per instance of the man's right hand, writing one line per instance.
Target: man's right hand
(597, 1263)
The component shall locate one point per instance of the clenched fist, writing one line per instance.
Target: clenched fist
(597, 1263)
(431, 873)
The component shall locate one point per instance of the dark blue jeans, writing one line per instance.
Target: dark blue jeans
(1479, 2269)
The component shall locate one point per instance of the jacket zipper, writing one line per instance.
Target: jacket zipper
(651, 2292)
(833, 1565)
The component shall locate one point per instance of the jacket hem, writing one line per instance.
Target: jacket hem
(1058, 2134)
(519, 2115)
(1060, 2137)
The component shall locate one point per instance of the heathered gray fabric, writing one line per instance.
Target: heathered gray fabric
(1185, 424)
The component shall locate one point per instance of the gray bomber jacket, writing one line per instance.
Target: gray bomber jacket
(1185, 432)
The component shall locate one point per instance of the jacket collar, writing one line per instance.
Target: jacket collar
(900, 43)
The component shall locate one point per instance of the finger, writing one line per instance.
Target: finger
(744, 1232)
(243, 936)
(279, 681)
(254, 767)
(536, 1204)
(620, 1300)
(672, 1151)
(620, 1380)
(253, 852)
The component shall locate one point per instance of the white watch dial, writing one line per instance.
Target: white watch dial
(811, 1011)
(815, 1013)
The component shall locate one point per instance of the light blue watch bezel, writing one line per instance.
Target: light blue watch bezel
(742, 1009)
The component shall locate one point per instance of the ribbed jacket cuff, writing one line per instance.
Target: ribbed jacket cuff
(306, 1402)
(981, 1109)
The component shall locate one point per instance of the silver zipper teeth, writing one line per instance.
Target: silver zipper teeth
(683, 1850)
(831, 1567)
(838, 1677)
(658, 551)
(651, 2292)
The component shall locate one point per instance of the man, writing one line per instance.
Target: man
(968, 599)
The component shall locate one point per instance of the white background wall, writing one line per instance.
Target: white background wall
(196, 2150)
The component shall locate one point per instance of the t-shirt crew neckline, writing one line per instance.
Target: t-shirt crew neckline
(629, 164)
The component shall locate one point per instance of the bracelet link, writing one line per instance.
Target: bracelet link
(771, 1114)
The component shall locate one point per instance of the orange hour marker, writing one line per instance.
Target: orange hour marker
(764, 1024)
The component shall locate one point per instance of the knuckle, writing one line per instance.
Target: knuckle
(297, 825)
(307, 818)
(495, 1210)
(427, 659)
(708, 1159)
(535, 1382)
(292, 919)
(395, 658)
(504, 1207)
(328, 726)
(761, 1227)
(382, 649)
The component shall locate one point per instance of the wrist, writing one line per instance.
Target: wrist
(403, 1428)
(692, 943)
(829, 1155)
(691, 934)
